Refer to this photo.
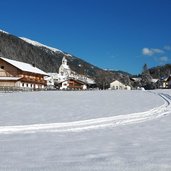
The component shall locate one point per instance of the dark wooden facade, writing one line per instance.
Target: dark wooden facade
(11, 76)
(72, 84)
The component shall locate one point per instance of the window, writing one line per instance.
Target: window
(2, 67)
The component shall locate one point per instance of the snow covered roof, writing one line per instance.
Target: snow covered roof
(10, 78)
(136, 79)
(154, 80)
(76, 80)
(116, 82)
(24, 66)
(90, 81)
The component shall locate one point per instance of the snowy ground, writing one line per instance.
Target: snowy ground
(95, 130)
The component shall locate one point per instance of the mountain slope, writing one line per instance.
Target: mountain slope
(49, 59)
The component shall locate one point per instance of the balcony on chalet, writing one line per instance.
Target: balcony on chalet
(35, 80)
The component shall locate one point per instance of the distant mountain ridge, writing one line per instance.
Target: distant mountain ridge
(49, 59)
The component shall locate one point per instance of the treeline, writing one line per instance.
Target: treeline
(160, 71)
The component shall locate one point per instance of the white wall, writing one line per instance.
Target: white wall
(116, 85)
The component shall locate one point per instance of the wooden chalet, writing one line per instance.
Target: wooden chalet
(20, 75)
(72, 84)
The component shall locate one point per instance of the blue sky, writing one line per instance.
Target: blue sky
(111, 34)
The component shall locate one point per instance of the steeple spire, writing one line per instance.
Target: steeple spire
(64, 61)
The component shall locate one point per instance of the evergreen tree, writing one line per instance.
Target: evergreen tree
(145, 68)
(146, 78)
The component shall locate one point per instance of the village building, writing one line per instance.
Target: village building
(66, 79)
(167, 82)
(72, 84)
(117, 85)
(51, 79)
(136, 82)
(164, 83)
(64, 70)
(20, 75)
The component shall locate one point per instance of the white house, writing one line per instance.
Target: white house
(117, 85)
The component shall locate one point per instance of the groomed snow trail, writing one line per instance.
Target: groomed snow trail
(94, 123)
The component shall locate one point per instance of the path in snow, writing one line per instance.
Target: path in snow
(94, 123)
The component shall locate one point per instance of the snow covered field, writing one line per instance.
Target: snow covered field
(91, 130)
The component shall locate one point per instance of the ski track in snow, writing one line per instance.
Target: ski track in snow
(90, 124)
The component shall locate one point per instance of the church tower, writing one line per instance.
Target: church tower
(64, 69)
(64, 61)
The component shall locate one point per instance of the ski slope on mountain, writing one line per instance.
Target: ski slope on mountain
(91, 130)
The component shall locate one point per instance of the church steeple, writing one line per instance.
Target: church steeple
(64, 61)
(64, 69)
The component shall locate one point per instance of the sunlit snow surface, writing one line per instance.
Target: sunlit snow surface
(35, 43)
(143, 145)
